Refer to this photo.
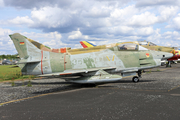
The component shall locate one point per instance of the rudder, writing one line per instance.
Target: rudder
(23, 46)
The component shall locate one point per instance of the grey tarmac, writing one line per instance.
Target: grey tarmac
(155, 97)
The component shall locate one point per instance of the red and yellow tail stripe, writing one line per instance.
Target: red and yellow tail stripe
(86, 44)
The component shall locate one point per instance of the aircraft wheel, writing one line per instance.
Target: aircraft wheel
(135, 79)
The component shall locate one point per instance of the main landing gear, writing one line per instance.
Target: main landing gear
(136, 78)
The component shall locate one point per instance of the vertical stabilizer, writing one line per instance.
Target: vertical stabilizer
(25, 48)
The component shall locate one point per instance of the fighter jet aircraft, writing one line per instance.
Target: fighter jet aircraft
(95, 65)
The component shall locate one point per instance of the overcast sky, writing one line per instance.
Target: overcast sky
(63, 23)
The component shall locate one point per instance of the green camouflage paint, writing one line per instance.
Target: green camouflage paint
(57, 62)
(89, 62)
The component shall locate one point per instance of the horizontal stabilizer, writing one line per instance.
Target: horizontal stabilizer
(28, 62)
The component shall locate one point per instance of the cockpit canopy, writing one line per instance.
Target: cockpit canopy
(128, 46)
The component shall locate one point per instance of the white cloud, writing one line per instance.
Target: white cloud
(130, 31)
(124, 12)
(145, 3)
(10, 42)
(122, 16)
(167, 12)
(77, 35)
(164, 39)
(176, 23)
(100, 15)
(167, 35)
(1, 3)
(146, 31)
(121, 30)
(66, 22)
(51, 17)
(172, 36)
(97, 12)
(54, 35)
(144, 19)
(176, 34)
(156, 37)
(5, 42)
(20, 21)
(51, 43)
(51, 39)
(4, 32)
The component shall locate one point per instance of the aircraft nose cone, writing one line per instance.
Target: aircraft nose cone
(167, 56)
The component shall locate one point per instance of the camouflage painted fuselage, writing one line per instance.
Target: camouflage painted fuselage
(112, 57)
(99, 62)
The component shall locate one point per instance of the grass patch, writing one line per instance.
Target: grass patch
(29, 83)
(9, 72)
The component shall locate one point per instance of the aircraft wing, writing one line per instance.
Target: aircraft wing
(76, 71)
(129, 70)
(99, 76)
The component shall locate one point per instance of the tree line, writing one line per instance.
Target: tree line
(9, 57)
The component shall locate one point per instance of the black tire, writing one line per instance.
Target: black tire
(135, 79)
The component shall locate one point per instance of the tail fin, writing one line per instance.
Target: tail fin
(25, 48)
(86, 44)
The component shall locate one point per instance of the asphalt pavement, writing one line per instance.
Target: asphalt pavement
(155, 97)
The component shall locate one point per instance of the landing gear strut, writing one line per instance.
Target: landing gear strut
(139, 74)
(169, 64)
(136, 78)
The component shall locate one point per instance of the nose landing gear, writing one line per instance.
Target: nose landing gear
(136, 78)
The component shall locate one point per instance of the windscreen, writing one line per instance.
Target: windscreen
(128, 46)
